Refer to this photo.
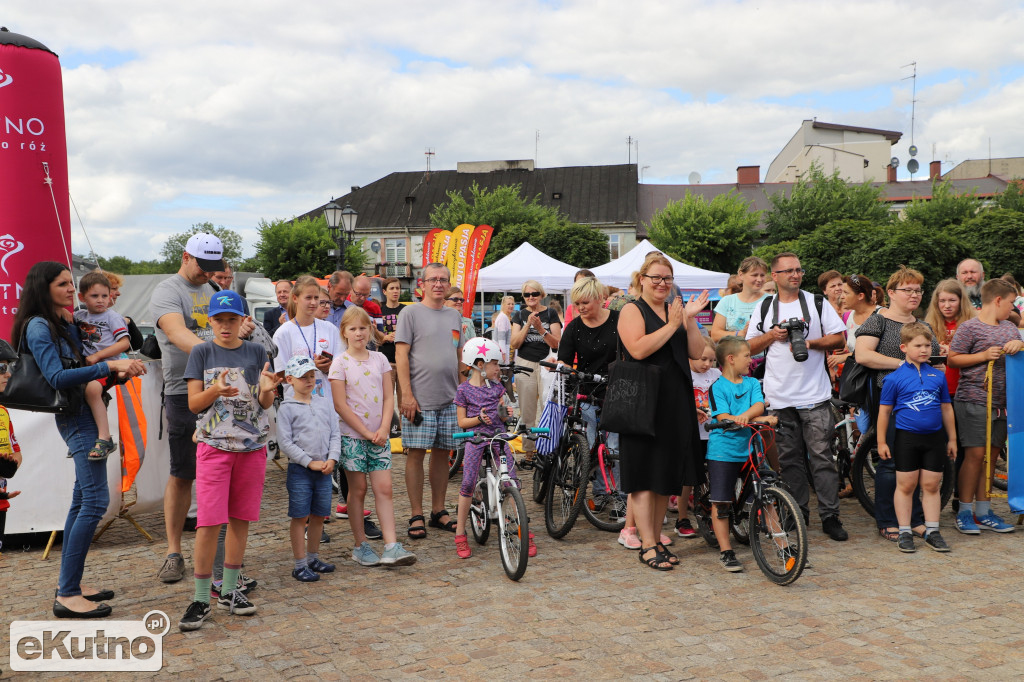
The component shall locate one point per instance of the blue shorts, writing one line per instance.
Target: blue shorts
(309, 492)
(435, 432)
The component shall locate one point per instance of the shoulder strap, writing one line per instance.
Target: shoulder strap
(711, 395)
(765, 304)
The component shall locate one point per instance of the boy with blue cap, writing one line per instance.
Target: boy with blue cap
(230, 387)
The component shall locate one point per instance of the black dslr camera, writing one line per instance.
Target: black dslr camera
(796, 328)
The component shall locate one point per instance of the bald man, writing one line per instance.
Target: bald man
(971, 273)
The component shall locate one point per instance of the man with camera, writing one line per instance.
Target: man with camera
(796, 331)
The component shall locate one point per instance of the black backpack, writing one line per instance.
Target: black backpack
(773, 303)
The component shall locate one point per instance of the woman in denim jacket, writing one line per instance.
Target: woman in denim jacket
(43, 320)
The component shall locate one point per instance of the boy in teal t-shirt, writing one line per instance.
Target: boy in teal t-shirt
(737, 398)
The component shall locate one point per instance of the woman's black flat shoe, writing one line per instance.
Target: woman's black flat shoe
(61, 611)
(102, 595)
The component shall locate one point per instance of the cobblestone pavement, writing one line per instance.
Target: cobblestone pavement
(586, 608)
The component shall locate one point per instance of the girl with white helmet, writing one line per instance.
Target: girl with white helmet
(477, 402)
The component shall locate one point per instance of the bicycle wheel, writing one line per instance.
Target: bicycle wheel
(566, 486)
(540, 474)
(702, 512)
(778, 536)
(455, 460)
(514, 527)
(864, 464)
(479, 514)
(606, 511)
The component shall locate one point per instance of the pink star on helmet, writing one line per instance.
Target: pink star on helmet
(482, 349)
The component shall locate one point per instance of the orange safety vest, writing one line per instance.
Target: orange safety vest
(132, 427)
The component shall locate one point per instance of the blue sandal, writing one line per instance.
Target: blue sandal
(101, 450)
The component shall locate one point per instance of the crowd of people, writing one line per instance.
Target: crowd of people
(345, 366)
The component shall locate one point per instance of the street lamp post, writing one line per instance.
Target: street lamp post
(342, 225)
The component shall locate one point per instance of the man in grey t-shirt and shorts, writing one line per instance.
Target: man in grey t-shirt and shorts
(427, 343)
(178, 307)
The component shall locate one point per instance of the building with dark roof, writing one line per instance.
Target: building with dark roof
(394, 210)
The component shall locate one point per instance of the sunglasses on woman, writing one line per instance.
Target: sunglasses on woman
(531, 294)
(457, 300)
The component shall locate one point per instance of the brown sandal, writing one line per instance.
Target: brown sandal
(890, 535)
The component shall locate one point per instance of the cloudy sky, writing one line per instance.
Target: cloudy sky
(233, 112)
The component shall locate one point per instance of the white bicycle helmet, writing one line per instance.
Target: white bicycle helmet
(479, 348)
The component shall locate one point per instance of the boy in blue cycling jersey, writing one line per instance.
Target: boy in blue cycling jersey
(917, 395)
(737, 397)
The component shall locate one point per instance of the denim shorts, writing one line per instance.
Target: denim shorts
(309, 492)
(434, 432)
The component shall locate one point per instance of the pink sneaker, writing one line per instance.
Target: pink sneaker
(462, 547)
(666, 540)
(673, 503)
(628, 538)
(532, 552)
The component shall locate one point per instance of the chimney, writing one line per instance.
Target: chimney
(748, 175)
(891, 173)
(935, 170)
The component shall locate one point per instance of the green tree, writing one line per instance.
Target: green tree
(817, 199)
(175, 246)
(996, 238)
(122, 265)
(713, 236)
(1013, 197)
(287, 249)
(945, 207)
(875, 250)
(516, 219)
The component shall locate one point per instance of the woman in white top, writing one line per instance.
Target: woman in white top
(732, 314)
(503, 327)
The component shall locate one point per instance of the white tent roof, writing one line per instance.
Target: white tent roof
(618, 272)
(526, 262)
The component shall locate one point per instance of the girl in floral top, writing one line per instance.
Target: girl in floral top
(362, 388)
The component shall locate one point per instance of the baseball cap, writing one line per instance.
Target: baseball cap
(226, 302)
(207, 250)
(299, 366)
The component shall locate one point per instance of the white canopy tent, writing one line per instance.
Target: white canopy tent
(526, 262)
(618, 272)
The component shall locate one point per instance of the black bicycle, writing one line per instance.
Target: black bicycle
(775, 528)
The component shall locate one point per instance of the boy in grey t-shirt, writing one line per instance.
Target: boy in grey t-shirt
(104, 335)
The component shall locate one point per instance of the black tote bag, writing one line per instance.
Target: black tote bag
(629, 402)
(27, 389)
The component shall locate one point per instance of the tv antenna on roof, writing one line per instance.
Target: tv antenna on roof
(428, 153)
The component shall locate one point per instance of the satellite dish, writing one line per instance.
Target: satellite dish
(894, 162)
(913, 150)
(912, 166)
(694, 178)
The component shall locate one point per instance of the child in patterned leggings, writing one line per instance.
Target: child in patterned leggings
(477, 402)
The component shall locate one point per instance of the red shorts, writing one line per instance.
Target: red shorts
(228, 484)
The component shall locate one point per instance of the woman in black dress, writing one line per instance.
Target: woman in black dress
(666, 336)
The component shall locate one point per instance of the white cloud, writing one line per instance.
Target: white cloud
(232, 112)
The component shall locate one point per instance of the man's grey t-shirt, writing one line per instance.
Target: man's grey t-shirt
(434, 338)
(176, 295)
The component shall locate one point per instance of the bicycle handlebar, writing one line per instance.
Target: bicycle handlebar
(568, 371)
(503, 436)
(729, 425)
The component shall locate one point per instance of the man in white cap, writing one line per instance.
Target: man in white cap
(179, 308)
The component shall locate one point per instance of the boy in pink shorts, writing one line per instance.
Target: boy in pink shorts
(230, 386)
